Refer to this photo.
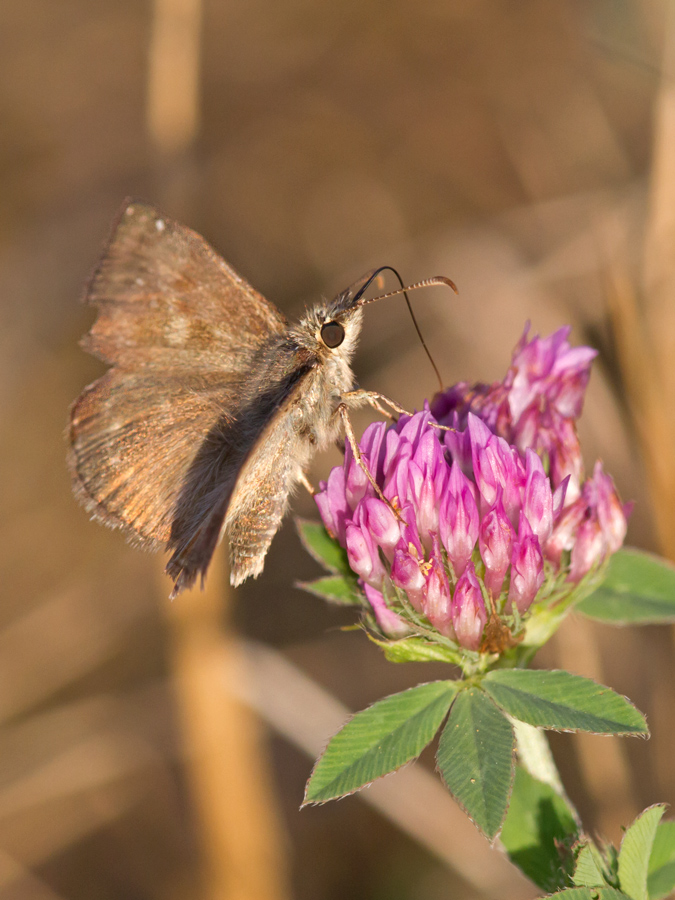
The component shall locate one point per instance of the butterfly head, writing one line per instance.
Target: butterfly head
(331, 330)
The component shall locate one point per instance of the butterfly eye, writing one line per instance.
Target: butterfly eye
(332, 334)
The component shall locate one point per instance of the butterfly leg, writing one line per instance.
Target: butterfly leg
(306, 483)
(372, 398)
(360, 397)
(342, 411)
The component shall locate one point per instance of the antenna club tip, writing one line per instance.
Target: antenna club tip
(448, 281)
(437, 280)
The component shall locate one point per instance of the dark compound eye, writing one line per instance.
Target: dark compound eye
(332, 334)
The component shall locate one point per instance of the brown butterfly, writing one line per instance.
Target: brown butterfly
(213, 405)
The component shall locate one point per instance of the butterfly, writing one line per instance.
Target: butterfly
(213, 404)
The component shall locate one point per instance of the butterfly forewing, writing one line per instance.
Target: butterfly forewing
(166, 298)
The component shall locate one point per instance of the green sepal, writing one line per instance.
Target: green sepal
(416, 649)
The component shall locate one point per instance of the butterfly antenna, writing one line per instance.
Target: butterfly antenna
(427, 282)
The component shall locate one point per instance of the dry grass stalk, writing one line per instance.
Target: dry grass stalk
(173, 74)
(18, 881)
(648, 404)
(242, 847)
(645, 329)
(604, 766)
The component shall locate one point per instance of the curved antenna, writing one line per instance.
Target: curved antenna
(367, 281)
(359, 300)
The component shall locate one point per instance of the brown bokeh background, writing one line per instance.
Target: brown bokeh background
(525, 148)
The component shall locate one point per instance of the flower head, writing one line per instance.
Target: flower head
(490, 520)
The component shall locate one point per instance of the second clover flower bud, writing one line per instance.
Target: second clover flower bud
(333, 506)
(468, 610)
(363, 556)
(527, 567)
(391, 624)
(437, 599)
(458, 520)
(538, 499)
(407, 575)
(382, 525)
(495, 539)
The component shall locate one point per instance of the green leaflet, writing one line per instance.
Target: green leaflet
(661, 879)
(639, 588)
(589, 869)
(333, 588)
(380, 739)
(475, 759)
(539, 825)
(563, 701)
(591, 893)
(416, 649)
(318, 543)
(636, 848)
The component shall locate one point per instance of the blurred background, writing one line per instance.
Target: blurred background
(526, 149)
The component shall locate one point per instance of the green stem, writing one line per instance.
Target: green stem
(535, 756)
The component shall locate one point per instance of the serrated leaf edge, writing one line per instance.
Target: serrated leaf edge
(639, 734)
(662, 807)
(584, 841)
(491, 840)
(306, 802)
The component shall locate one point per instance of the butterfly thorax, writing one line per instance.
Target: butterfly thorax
(331, 374)
(299, 377)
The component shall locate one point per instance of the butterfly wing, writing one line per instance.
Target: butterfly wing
(181, 330)
(133, 439)
(260, 497)
(166, 298)
(249, 500)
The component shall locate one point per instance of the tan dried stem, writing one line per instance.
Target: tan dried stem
(240, 837)
(173, 74)
(644, 323)
(650, 405)
(241, 841)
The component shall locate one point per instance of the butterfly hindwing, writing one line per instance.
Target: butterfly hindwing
(134, 436)
(249, 500)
